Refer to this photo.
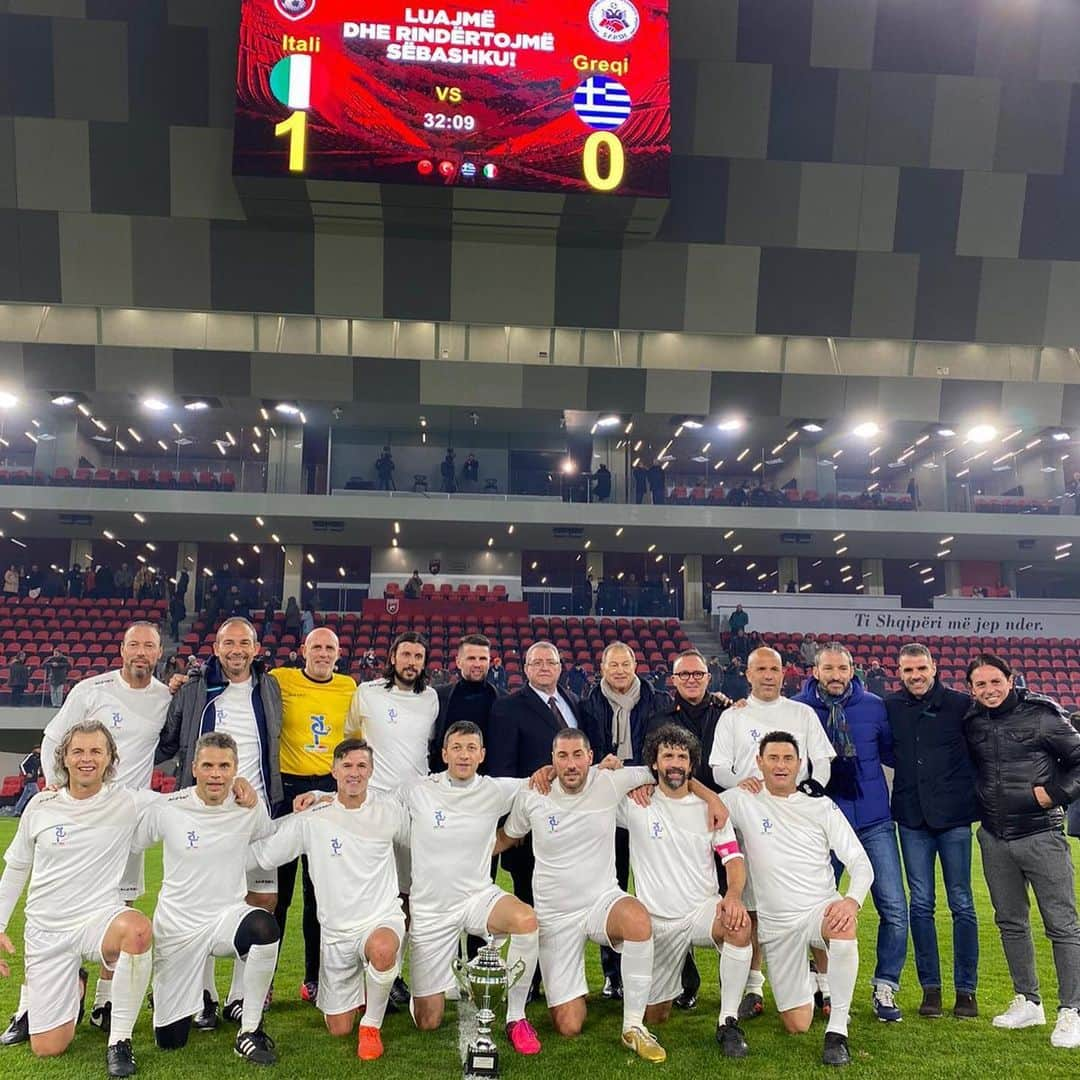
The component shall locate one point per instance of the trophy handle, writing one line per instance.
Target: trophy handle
(461, 973)
(513, 975)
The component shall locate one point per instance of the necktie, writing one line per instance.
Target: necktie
(555, 711)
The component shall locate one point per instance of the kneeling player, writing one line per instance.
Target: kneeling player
(454, 816)
(789, 834)
(77, 841)
(349, 843)
(201, 911)
(671, 854)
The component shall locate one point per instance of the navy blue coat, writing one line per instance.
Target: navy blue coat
(868, 723)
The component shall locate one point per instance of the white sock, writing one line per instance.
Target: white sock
(378, 985)
(131, 977)
(258, 975)
(22, 1001)
(844, 969)
(755, 981)
(209, 985)
(734, 969)
(522, 947)
(102, 992)
(236, 986)
(637, 964)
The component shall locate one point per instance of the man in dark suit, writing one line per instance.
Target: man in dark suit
(520, 732)
(470, 698)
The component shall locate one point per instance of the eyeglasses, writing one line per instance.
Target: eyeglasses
(686, 676)
(543, 663)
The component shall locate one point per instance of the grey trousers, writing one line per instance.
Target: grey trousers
(1044, 862)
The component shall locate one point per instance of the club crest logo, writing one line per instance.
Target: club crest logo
(656, 829)
(319, 729)
(335, 847)
(193, 839)
(393, 605)
(553, 823)
(117, 718)
(391, 715)
(614, 21)
(295, 9)
(59, 835)
(766, 826)
(440, 819)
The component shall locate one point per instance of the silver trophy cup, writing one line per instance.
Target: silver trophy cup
(484, 980)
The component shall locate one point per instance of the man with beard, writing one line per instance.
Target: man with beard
(616, 714)
(469, 699)
(791, 832)
(314, 703)
(858, 728)
(397, 715)
(232, 695)
(934, 804)
(672, 856)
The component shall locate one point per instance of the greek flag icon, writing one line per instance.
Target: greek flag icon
(602, 103)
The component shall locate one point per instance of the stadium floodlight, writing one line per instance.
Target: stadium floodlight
(608, 421)
(8, 401)
(197, 406)
(288, 408)
(982, 433)
(946, 433)
(732, 423)
(866, 430)
(154, 404)
(813, 427)
(63, 399)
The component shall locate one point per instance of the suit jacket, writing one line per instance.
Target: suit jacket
(442, 722)
(520, 732)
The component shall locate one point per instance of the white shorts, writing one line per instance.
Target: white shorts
(261, 881)
(785, 949)
(562, 947)
(179, 964)
(403, 861)
(748, 889)
(672, 939)
(341, 965)
(133, 883)
(52, 968)
(434, 937)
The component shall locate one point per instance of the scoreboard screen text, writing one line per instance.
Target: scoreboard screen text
(558, 96)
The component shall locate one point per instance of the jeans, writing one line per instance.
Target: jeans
(921, 847)
(56, 695)
(30, 789)
(879, 842)
(1044, 862)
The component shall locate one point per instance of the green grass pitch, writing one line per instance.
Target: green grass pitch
(914, 1048)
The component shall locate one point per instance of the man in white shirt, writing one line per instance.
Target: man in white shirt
(201, 909)
(454, 817)
(733, 758)
(73, 844)
(349, 843)
(577, 894)
(397, 716)
(133, 705)
(672, 857)
(788, 835)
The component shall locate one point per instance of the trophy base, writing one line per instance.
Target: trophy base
(482, 1061)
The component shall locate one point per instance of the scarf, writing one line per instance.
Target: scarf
(844, 779)
(695, 713)
(621, 707)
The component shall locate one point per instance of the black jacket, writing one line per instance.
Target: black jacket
(443, 721)
(704, 728)
(1026, 742)
(520, 732)
(654, 706)
(934, 784)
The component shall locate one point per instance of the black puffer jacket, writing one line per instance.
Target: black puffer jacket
(1024, 743)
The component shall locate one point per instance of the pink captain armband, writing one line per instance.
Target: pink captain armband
(728, 850)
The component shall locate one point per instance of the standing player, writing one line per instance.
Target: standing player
(74, 844)
(314, 702)
(397, 715)
(201, 911)
(133, 705)
(454, 816)
(671, 855)
(349, 845)
(789, 837)
(734, 758)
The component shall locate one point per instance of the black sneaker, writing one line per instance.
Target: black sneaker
(686, 1000)
(101, 1018)
(836, 1049)
(18, 1031)
(399, 995)
(966, 1007)
(731, 1039)
(751, 1006)
(931, 1003)
(120, 1059)
(612, 990)
(256, 1047)
(207, 1020)
(233, 1011)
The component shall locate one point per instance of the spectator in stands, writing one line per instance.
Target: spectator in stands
(269, 611)
(737, 495)
(1022, 783)
(758, 495)
(858, 728)
(496, 675)
(913, 493)
(75, 582)
(641, 480)
(371, 664)
(793, 679)
(11, 581)
(656, 483)
(174, 665)
(30, 771)
(143, 583)
(738, 619)
(294, 660)
(307, 621)
(739, 646)
(470, 474)
(90, 580)
(413, 586)
(792, 587)
(631, 595)
(177, 614)
(660, 676)
(602, 484)
(716, 674)
(54, 582)
(933, 803)
(18, 678)
(292, 617)
(35, 581)
(56, 671)
(808, 651)
(448, 470)
(875, 680)
(105, 582)
(384, 470)
(735, 685)
(1018, 680)
(774, 496)
(123, 581)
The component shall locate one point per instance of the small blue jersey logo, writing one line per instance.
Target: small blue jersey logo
(59, 834)
(440, 819)
(553, 823)
(193, 839)
(391, 715)
(755, 734)
(657, 830)
(319, 730)
(766, 826)
(335, 846)
(117, 718)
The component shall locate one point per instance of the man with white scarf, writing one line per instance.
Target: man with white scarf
(616, 714)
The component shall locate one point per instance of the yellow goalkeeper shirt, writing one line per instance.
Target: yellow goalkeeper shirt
(312, 720)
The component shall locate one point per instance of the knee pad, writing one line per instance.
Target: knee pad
(173, 1036)
(258, 927)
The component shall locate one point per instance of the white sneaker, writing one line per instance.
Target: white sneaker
(1067, 1030)
(1021, 1013)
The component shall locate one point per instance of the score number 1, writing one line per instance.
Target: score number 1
(295, 127)
(590, 160)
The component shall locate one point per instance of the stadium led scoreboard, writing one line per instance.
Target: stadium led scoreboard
(527, 95)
